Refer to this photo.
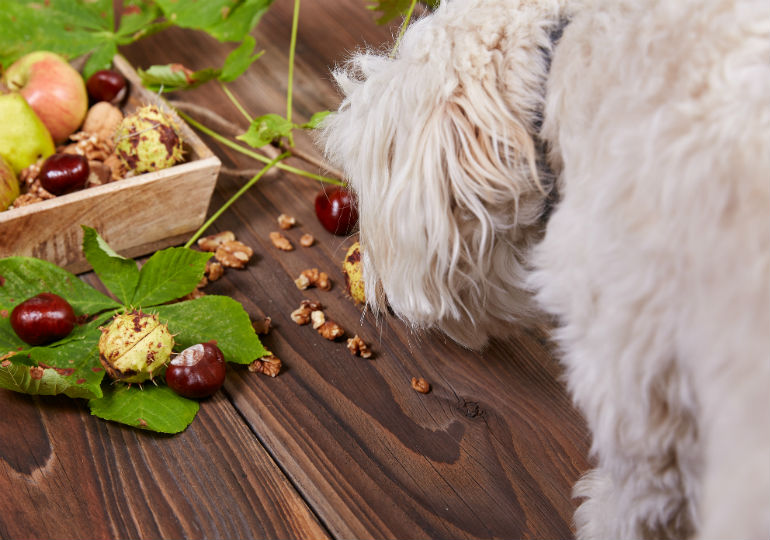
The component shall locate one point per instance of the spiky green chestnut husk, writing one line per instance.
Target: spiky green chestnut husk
(354, 279)
(148, 140)
(135, 347)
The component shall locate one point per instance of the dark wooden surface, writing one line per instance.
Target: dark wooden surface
(335, 446)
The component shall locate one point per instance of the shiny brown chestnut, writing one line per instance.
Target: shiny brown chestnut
(197, 372)
(106, 85)
(63, 173)
(43, 319)
(335, 208)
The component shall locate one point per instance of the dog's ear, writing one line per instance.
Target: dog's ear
(438, 145)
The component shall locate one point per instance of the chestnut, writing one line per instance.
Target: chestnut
(335, 208)
(42, 319)
(62, 173)
(106, 85)
(197, 372)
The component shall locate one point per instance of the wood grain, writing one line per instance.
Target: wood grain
(335, 446)
(66, 474)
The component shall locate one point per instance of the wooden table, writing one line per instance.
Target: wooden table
(335, 446)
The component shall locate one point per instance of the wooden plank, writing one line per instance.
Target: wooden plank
(66, 474)
(491, 452)
(495, 447)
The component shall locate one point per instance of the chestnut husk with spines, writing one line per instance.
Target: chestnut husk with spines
(135, 347)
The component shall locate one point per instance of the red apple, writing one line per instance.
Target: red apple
(54, 89)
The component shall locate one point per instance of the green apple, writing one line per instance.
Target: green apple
(23, 137)
(9, 185)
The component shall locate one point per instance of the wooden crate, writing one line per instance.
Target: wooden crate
(135, 216)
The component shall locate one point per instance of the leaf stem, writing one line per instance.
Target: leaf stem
(254, 155)
(401, 32)
(235, 197)
(235, 102)
(292, 49)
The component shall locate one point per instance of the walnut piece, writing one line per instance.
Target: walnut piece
(99, 173)
(306, 240)
(117, 167)
(301, 315)
(233, 254)
(89, 145)
(267, 365)
(313, 278)
(29, 174)
(302, 282)
(420, 385)
(213, 241)
(280, 241)
(214, 270)
(331, 330)
(358, 347)
(196, 293)
(262, 326)
(286, 221)
(318, 318)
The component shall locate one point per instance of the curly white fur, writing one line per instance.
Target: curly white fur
(656, 259)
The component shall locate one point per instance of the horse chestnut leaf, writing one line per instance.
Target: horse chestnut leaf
(43, 319)
(106, 85)
(335, 208)
(63, 173)
(197, 372)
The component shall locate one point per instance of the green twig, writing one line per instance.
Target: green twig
(292, 49)
(235, 197)
(235, 101)
(404, 24)
(254, 155)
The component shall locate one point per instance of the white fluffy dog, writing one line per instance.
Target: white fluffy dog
(606, 163)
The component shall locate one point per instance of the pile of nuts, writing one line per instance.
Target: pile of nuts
(94, 141)
(311, 312)
(231, 253)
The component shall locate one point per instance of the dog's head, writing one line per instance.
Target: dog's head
(438, 144)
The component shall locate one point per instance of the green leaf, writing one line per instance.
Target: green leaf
(71, 365)
(391, 9)
(217, 318)
(101, 58)
(225, 20)
(137, 16)
(155, 408)
(119, 275)
(239, 60)
(67, 27)
(169, 274)
(174, 77)
(265, 129)
(18, 378)
(315, 120)
(24, 277)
